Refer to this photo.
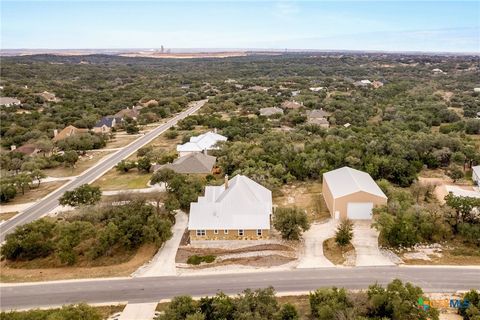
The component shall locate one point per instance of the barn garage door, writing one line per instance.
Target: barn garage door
(359, 210)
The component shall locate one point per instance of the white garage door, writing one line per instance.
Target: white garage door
(359, 210)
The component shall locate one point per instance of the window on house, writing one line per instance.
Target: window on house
(215, 231)
(240, 232)
(201, 233)
(259, 232)
(225, 231)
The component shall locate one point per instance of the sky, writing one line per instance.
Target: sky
(430, 26)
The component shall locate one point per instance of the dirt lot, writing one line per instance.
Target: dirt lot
(266, 255)
(184, 252)
(455, 253)
(437, 178)
(120, 141)
(305, 195)
(8, 272)
(36, 193)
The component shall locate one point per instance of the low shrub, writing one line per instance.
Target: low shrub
(196, 259)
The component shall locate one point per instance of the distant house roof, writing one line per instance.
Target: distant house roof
(317, 113)
(476, 170)
(259, 88)
(149, 102)
(270, 111)
(205, 141)
(318, 121)
(362, 83)
(196, 162)
(291, 105)
(316, 89)
(459, 192)
(243, 204)
(68, 132)
(27, 149)
(346, 125)
(7, 101)
(377, 84)
(345, 181)
(109, 121)
(132, 112)
(49, 96)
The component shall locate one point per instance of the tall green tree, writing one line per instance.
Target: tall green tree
(291, 222)
(83, 195)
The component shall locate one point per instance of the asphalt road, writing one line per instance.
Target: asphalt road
(431, 279)
(50, 202)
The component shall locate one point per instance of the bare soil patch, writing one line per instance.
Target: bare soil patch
(120, 141)
(184, 253)
(304, 195)
(337, 254)
(114, 267)
(7, 215)
(258, 261)
(453, 253)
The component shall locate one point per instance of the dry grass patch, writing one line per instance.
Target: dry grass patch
(117, 266)
(335, 253)
(35, 194)
(120, 141)
(456, 253)
(84, 163)
(304, 195)
(114, 180)
(7, 215)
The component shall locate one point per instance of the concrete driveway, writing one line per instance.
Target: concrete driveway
(365, 241)
(163, 264)
(312, 254)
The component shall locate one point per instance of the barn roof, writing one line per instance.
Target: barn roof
(345, 181)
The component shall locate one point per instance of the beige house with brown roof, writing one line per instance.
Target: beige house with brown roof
(267, 112)
(48, 96)
(350, 193)
(321, 122)
(132, 112)
(291, 105)
(66, 132)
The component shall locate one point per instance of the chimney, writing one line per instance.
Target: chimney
(13, 147)
(226, 181)
(55, 132)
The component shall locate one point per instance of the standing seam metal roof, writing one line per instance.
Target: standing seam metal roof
(345, 181)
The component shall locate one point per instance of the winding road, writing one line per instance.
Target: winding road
(148, 289)
(50, 202)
